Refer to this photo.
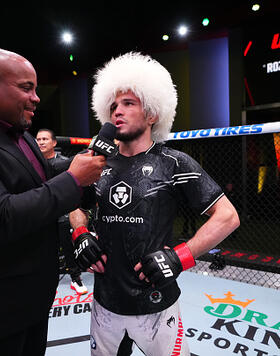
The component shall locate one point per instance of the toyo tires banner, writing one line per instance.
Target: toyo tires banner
(226, 131)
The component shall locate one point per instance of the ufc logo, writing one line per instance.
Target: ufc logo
(106, 172)
(81, 247)
(104, 146)
(166, 270)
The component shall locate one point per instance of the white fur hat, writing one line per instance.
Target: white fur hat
(147, 79)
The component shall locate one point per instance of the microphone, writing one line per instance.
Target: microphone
(103, 143)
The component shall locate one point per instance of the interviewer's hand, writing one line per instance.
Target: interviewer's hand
(87, 168)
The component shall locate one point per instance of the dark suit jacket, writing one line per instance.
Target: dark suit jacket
(29, 210)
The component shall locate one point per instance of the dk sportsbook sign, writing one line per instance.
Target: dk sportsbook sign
(235, 318)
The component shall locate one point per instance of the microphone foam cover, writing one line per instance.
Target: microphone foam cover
(108, 131)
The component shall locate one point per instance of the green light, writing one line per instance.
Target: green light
(205, 21)
(71, 57)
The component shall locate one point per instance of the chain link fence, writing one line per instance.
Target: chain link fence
(247, 167)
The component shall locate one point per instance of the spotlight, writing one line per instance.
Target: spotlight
(67, 37)
(205, 21)
(255, 7)
(182, 30)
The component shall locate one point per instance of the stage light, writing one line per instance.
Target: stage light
(182, 30)
(67, 37)
(165, 37)
(71, 57)
(255, 7)
(205, 21)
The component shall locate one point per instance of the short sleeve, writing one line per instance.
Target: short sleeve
(194, 185)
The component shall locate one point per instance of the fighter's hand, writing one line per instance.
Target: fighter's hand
(88, 252)
(87, 168)
(164, 266)
(98, 266)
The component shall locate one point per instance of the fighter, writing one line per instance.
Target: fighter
(134, 255)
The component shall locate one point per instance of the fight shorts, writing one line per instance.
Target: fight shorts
(159, 334)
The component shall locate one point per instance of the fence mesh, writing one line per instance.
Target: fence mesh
(247, 169)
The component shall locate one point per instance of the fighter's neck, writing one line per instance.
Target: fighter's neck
(135, 147)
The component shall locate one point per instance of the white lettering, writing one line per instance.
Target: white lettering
(166, 270)
(81, 247)
(273, 67)
(104, 145)
(120, 219)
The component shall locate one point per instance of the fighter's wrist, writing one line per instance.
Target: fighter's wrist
(185, 256)
(77, 232)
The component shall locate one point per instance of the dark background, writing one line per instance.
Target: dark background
(104, 29)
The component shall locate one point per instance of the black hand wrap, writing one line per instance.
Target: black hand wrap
(87, 248)
(161, 267)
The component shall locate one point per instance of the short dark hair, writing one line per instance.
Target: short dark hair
(50, 131)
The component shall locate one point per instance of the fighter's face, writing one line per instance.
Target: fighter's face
(18, 98)
(128, 116)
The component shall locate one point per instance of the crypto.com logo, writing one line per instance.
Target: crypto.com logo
(120, 195)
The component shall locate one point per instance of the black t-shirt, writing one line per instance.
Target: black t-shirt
(57, 158)
(137, 198)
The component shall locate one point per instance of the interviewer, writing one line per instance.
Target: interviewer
(32, 197)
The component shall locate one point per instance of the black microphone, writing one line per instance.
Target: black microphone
(103, 143)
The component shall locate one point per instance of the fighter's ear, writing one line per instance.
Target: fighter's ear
(152, 119)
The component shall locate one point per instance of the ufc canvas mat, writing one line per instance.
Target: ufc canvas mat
(220, 318)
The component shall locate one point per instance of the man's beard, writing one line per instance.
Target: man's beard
(24, 124)
(130, 136)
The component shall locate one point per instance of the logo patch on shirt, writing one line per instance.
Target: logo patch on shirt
(147, 170)
(106, 172)
(120, 195)
(155, 296)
